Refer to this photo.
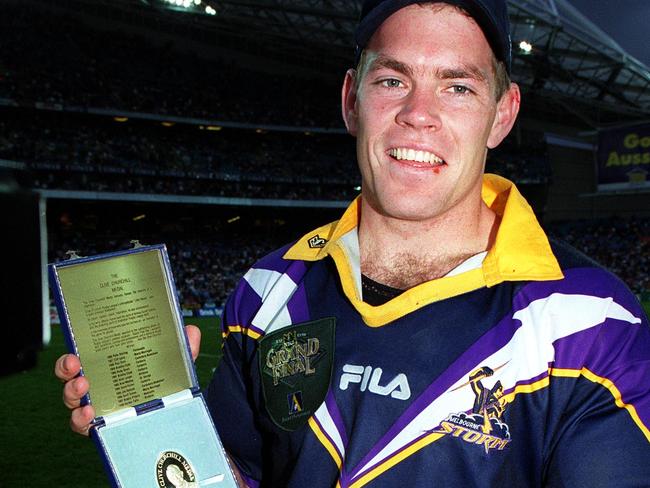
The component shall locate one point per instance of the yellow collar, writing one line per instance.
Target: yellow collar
(521, 252)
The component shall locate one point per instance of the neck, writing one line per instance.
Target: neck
(404, 253)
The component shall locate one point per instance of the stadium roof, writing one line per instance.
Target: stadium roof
(574, 73)
(575, 66)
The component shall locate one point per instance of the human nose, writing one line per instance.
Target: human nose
(420, 110)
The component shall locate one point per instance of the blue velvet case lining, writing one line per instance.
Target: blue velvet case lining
(133, 446)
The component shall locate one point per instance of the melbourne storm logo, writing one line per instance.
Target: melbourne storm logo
(483, 426)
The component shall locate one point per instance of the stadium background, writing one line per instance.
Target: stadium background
(214, 127)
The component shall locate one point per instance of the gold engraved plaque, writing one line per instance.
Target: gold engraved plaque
(124, 322)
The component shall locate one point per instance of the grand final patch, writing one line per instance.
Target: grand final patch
(483, 425)
(174, 471)
(296, 367)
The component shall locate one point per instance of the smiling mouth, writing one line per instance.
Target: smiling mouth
(412, 155)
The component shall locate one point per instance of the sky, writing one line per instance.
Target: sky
(625, 21)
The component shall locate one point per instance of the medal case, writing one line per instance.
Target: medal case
(142, 414)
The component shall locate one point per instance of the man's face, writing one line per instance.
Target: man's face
(425, 113)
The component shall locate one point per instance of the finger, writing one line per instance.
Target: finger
(74, 390)
(67, 367)
(80, 419)
(194, 337)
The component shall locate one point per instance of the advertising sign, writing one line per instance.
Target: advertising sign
(623, 158)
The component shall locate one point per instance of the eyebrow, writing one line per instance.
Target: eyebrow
(466, 71)
(390, 63)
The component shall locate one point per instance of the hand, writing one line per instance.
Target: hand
(67, 369)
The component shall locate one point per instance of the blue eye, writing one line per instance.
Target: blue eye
(391, 83)
(460, 89)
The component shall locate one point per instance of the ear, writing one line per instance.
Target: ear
(507, 110)
(349, 102)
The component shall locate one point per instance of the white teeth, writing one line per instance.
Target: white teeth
(401, 153)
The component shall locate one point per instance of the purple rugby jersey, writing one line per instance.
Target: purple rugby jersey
(464, 381)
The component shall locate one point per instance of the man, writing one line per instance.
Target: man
(350, 356)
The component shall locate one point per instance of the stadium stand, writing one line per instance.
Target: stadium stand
(77, 67)
(64, 151)
(71, 152)
(73, 68)
(210, 249)
(621, 245)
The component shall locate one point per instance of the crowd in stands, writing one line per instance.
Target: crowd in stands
(208, 272)
(194, 187)
(208, 258)
(103, 155)
(59, 60)
(56, 67)
(206, 254)
(99, 154)
(621, 245)
(522, 157)
(205, 272)
(185, 150)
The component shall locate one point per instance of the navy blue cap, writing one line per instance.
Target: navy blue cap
(490, 15)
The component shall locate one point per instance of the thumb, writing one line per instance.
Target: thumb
(194, 338)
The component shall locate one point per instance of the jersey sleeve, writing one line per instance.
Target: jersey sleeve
(602, 437)
(232, 393)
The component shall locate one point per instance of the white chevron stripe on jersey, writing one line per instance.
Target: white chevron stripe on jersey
(329, 427)
(525, 356)
(275, 289)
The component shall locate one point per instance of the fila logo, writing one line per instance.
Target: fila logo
(369, 379)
